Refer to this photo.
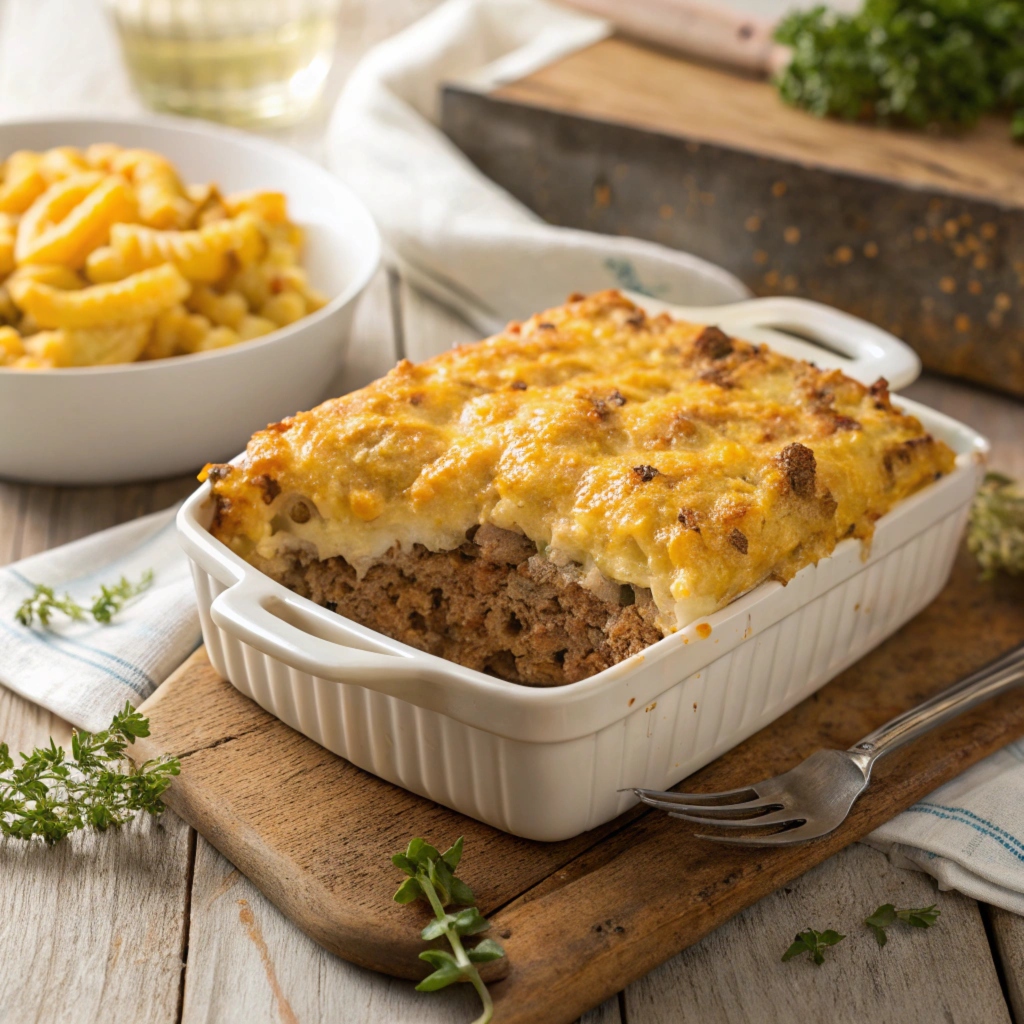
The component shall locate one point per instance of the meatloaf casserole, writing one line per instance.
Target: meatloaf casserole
(544, 503)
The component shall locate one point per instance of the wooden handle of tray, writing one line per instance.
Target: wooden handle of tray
(697, 29)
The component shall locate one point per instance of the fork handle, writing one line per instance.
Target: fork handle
(1002, 674)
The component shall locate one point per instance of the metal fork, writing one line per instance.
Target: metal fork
(815, 797)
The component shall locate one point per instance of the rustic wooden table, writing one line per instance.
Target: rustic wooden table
(152, 925)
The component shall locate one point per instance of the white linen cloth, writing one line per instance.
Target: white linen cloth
(83, 670)
(451, 231)
(474, 247)
(969, 833)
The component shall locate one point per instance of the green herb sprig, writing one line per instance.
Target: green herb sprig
(49, 796)
(432, 877)
(44, 602)
(887, 915)
(814, 943)
(919, 63)
(995, 530)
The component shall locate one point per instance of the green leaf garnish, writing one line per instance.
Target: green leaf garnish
(882, 918)
(49, 796)
(44, 602)
(432, 877)
(112, 599)
(925, 917)
(887, 915)
(814, 943)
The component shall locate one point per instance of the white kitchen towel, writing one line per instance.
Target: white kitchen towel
(83, 670)
(450, 230)
(969, 833)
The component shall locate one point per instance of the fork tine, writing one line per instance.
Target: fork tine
(726, 809)
(779, 817)
(671, 796)
(787, 838)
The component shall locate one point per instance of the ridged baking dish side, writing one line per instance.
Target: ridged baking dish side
(552, 791)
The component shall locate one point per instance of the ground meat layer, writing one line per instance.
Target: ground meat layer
(494, 605)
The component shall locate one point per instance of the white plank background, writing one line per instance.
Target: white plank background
(151, 924)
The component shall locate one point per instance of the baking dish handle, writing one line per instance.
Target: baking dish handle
(243, 611)
(858, 348)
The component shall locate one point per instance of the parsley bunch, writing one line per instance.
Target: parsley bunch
(49, 796)
(44, 602)
(432, 877)
(920, 63)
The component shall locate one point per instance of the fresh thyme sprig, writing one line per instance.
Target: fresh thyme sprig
(111, 600)
(995, 531)
(44, 602)
(814, 943)
(887, 915)
(920, 63)
(432, 877)
(49, 796)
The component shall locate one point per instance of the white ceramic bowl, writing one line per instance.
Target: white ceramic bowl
(107, 424)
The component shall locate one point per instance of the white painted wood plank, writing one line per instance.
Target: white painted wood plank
(248, 964)
(94, 926)
(606, 1013)
(1008, 934)
(92, 929)
(429, 328)
(371, 351)
(735, 975)
(12, 511)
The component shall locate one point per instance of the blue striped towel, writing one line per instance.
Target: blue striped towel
(84, 671)
(969, 833)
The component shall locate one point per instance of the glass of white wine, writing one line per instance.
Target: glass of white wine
(246, 62)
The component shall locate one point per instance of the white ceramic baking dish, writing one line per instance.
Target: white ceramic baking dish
(550, 763)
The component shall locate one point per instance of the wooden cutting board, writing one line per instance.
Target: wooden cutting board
(923, 235)
(579, 919)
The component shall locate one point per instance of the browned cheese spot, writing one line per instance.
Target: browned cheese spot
(717, 375)
(845, 423)
(713, 343)
(646, 473)
(688, 517)
(739, 541)
(798, 463)
(270, 487)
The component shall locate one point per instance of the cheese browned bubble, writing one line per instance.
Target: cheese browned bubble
(663, 454)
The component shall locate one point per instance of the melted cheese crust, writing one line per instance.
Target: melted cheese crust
(661, 453)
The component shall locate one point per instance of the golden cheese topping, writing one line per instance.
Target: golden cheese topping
(664, 454)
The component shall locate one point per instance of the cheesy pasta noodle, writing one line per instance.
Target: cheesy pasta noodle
(107, 256)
